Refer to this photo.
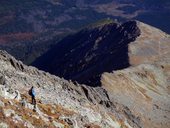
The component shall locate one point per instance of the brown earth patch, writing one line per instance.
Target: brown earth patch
(5, 39)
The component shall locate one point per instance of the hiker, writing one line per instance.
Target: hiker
(32, 93)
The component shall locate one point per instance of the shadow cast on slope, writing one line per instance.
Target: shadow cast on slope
(84, 56)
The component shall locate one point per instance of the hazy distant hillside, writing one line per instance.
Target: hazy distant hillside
(31, 22)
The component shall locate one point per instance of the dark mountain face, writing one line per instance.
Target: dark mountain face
(29, 28)
(84, 56)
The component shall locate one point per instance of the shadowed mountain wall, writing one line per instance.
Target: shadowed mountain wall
(84, 56)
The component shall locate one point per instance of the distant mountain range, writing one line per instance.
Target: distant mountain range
(30, 28)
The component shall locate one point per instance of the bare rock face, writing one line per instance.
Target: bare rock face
(145, 90)
(59, 103)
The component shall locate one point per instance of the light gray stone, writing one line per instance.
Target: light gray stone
(17, 118)
(9, 93)
(23, 102)
(2, 104)
(8, 112)
(58, 125)
(3, 125)
(2, 79)
(2, 91)
(28, 125)
(10, 102)
(18, 96)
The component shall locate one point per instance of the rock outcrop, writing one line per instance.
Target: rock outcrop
(59, 103)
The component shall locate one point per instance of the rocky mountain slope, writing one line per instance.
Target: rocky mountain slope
(145, 86)
(144, 89)
(84, 56)
(60, 103)
(29, 28)
(151, 46)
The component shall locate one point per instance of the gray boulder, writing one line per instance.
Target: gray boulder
(2, 79)
(3, 125)
(8, 112)
(2, 104)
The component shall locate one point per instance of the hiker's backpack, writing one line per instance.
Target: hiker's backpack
(30, 92)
